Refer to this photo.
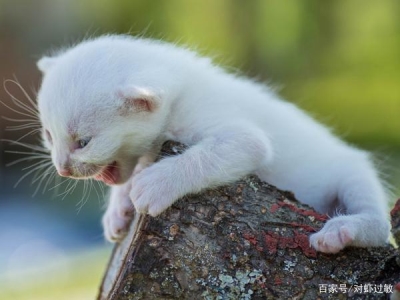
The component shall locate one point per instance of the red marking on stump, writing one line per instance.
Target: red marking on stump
(396, 208)
(303, 226)
(253, 241)
(274, 241)
(304, 243)
(260, 249)
(395, 214)
(271, 242)
(278, 281)
(287, 242)
(274, 207)
(251, 238)
(301, 211)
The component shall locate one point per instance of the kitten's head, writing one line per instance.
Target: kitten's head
(99, 111)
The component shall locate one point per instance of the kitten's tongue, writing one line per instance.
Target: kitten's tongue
(109, 175)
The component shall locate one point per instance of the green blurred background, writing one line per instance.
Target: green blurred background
(339, 60)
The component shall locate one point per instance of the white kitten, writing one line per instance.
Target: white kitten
(106, 102)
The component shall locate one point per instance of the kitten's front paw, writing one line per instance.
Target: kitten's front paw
(334, 236)
(118, 215)
(153, 189)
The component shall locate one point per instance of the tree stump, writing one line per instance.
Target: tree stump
(247, 240)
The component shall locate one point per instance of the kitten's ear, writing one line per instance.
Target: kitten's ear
(137, 99)
(45, 63)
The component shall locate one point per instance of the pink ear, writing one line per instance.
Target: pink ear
(139, 104)
(137, 100)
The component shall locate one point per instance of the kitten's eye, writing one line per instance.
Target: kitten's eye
(48, 136)
(82, 143)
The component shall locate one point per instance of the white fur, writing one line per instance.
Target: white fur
(233, 125)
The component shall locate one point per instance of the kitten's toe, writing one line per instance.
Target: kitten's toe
(332, 238)
(115, 229)
(116, 223)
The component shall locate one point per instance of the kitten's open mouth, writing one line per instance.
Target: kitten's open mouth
(109, 175)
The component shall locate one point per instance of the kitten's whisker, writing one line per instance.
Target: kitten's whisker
(60, 183)
(57, 183)
(20, 152)
(67, 189)
(17, 111)
(35, 121)
(47, 171)
(85, 183)
(23, 127)
(31, 101)
(95, 189)
(26, 145)
(76, 182)
(43, 177)
(26, 174)
(33, 111)
(50, 178)
(35, 93)
(101, 187)
(84, 199)
(32, 132)
(47, 167)
(36, 164)
(43, 157)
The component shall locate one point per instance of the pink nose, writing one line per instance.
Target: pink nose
(64, 172)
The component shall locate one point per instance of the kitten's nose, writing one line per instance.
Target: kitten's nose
(65, 172)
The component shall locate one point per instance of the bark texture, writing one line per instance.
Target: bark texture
(247, 240)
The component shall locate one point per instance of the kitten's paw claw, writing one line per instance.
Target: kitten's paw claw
(153, 190)
(115, 228)
(117, 219)
(333, 237)
(149, 203)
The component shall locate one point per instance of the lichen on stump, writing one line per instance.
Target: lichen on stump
(247, 240)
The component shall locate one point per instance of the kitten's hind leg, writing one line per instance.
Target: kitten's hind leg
(365, 223)
(350, 230)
